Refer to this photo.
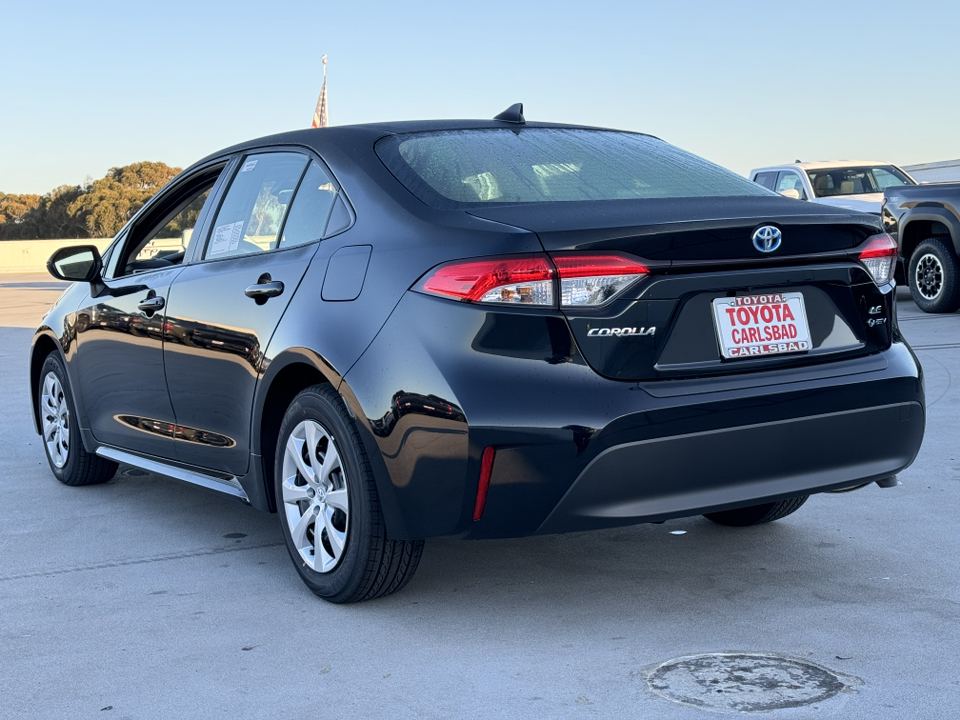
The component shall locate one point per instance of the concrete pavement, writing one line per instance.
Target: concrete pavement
(146, 598)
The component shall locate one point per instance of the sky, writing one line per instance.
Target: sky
(100, 84)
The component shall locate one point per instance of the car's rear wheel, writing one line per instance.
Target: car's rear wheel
(329, 508)
(69, 460)
(934, 277)
(757, 514)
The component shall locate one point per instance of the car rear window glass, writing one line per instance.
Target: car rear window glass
(463, 168)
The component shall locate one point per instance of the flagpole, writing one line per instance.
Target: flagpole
(320, 115)
(326, 109)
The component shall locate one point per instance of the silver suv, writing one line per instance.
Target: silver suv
(851, 184)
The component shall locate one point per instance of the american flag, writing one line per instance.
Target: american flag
(320, 114)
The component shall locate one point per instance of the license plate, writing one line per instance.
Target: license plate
(753, 325)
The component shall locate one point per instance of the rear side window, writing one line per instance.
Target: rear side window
(255, 207)
(463, 168)
(307, 220)
(767, 179)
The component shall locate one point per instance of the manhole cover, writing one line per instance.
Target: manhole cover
(745, 682)
(134, 472)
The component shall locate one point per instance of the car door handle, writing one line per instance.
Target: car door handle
(264, 290)
(151, 304)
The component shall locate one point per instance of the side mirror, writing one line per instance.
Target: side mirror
(791, 193)
(78, 263)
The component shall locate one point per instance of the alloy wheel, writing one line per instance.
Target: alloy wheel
(928, 276)
(316, 503)
(55, 416)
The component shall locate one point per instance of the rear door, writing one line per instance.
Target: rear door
(224, 307)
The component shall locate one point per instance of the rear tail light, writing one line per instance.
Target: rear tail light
(521, 279)
(591, 280)
(879, 257)
(576, 280)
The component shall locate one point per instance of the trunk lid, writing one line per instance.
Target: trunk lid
(687, 229)
(703, 263)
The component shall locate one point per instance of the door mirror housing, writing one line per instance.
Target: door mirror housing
(78, 263)
(791, 193)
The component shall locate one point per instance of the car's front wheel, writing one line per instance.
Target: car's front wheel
(757, 514)
(329, 508)
(934, 277)
(69, 460)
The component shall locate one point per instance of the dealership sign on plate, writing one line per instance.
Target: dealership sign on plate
(761, 325)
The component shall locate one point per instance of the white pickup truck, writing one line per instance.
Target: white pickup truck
(851, 184)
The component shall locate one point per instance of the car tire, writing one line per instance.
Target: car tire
(757, 514)
(934, 277)
(323, 480)
(69, 460)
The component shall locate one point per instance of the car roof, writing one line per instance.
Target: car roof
(342, 134)
(822, 164)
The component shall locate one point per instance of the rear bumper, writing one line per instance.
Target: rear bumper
(576, 451)
(719, 469)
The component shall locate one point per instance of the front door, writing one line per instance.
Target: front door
(120, 364)
(120, 329)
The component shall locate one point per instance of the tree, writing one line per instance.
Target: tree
(57, 221)
(20, 216)
(114, 199)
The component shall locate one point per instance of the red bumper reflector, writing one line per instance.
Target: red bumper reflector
(486, 468)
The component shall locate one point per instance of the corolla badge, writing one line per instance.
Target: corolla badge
(621, 332)
(767, 238)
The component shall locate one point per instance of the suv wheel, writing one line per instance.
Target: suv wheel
(328, 505)
(69, 460)
(757, 514)
(934, 277)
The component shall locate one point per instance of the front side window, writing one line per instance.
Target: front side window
(255, 207)
(160, 238)
(463, 168)
(791, 181)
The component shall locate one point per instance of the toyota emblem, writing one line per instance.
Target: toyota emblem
(767, 238)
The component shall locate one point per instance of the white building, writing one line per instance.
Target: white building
(947, 171)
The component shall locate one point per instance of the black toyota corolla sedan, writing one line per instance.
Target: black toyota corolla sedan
(480, 329)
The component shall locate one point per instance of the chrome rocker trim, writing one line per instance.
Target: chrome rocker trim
(228, 485)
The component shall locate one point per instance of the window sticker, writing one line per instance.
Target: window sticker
(248, 166)
(226, 238)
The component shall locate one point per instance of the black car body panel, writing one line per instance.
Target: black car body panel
(588, 431)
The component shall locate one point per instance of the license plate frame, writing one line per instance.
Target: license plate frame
(761, 325)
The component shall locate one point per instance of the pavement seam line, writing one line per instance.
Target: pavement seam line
(137, 561)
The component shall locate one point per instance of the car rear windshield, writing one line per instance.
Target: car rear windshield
(828, 182)
(463, 168)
